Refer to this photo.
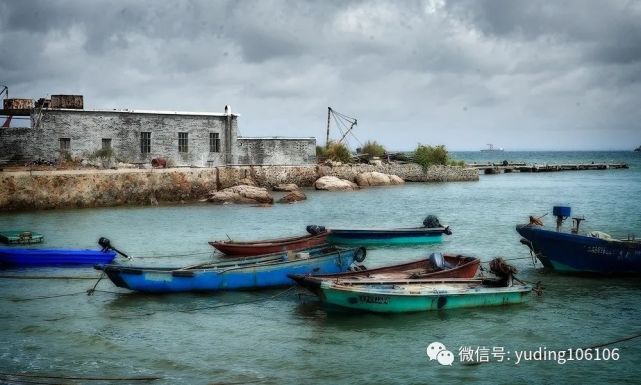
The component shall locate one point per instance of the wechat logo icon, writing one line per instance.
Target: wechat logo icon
(437, 351)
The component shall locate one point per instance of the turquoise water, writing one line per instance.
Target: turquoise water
(293, 339)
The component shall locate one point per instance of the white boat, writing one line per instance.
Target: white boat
(490, 148)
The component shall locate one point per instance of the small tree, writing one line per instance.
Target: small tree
(338, 152)
(428, 156)
(372, 148)
(105, 155)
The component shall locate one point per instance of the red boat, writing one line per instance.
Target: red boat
(268, 246)
(435, 266)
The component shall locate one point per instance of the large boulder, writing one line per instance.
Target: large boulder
(247, 181)
(241, 194)
(294, 196)
(286, 187)
(332, 183)
(375, 178)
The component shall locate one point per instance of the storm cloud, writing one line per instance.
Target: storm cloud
(519, 74)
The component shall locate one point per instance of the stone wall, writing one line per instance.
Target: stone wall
(85, 129)
(276, 151)
(410, 172)
(92, 188)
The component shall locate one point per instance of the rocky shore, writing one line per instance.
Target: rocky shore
(24, 190)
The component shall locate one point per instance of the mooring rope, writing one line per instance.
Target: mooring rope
(614, 342)
(242, 302)
(77, 378)
(148, 256)
(47, 277)
(508, 259)
(62, 295)
(46, 297)
(154, 255)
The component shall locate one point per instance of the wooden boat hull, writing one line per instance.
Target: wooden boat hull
(233, 249)
(249, 274)
(458, 266)
(13, 257)
(386, 298)
(387, 237)
(578, 254)
(20, 237)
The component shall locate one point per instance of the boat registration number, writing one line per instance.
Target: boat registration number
(379, 299)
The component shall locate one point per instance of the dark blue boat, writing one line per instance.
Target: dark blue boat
(13, 257)
(251, 273)
(594, 253)
(431, 232)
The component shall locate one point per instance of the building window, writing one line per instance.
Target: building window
(65, 144)
(183, 142)
(145, 142)
(214, 142)
(106, 144)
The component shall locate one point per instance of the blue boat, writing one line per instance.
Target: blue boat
(431, 232)
(13, 257)
(593, 253)
(246, 274)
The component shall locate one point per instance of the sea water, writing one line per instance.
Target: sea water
(290, 338)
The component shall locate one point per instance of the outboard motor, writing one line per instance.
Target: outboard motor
(431, 222)
(105, 243)
(315, 229)
(561, 213)
(437, 260)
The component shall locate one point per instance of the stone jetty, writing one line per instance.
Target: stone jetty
(28, 190)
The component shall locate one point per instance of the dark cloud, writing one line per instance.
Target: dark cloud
(463, 73)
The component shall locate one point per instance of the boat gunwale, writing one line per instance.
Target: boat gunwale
(561, 235)
(470, 262)
(270, 242)
(479, 290)
(272, 262)
(417, 230)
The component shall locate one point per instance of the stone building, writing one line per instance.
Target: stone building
(61, 126)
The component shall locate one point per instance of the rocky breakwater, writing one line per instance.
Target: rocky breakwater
(332, 183)
(25, 190)
(241, 194)
(375, 178)
(409, 172)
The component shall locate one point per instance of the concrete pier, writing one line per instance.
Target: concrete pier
(497, 168)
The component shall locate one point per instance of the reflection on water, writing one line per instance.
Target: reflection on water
(294, 339)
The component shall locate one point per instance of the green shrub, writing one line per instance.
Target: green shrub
(428, 156)
(338, 152)
(103, 154)
(372, 148)
(457, 163)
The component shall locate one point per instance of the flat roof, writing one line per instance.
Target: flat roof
(151, 112)
(275, 137)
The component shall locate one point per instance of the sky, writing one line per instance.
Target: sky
(523, 75)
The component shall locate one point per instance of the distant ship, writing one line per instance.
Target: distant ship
(638, 149)
(490, 148)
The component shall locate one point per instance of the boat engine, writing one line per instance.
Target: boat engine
(561, 213)
(431, 222)
(315, 229)
(105, 243)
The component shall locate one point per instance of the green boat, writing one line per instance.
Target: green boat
(19, 237)
(415, 295)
